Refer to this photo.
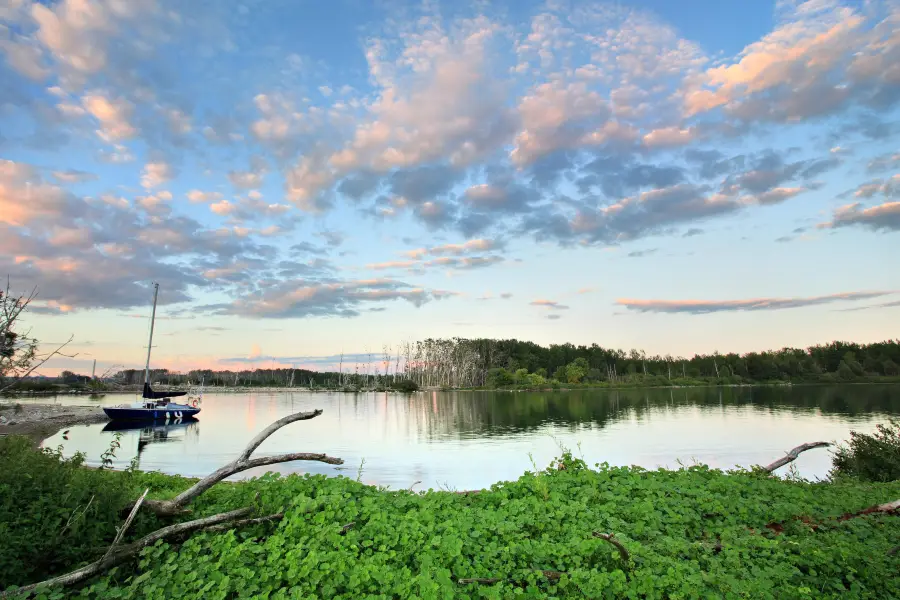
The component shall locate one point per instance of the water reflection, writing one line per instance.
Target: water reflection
(448, 414)
(473, 439)
(155, 432)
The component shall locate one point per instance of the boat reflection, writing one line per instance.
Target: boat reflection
(155, 432)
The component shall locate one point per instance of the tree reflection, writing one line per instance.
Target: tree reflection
(465, 414)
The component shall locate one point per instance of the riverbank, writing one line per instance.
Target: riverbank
(569, 531)
(40, 421)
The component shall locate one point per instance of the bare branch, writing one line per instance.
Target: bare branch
(243, 522)
(347, 528)
(888, 507)
(125, 552)
(39, 364)
(265, 433)
(793, 454)
(127, 523)
(414, 484)
(242, 463)
(610, 537)
(481, 580)
(551, 575)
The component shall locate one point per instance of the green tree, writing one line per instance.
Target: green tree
(845, 372)
(575, 372)
(560, 374)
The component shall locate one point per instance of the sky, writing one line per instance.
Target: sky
(309, 178)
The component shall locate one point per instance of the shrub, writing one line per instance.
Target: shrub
(407, 386)
(873, 457)
(54, 514)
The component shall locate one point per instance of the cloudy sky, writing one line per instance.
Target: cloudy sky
(306, 178)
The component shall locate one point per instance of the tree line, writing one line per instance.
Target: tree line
(469, 363)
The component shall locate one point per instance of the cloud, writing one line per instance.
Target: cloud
(289, 299)
(819, 58)
(642, 253)
(156, 174)
(549, 304)
(697, 307)
(114, 116)
(471, 246)
(102, 252)
(893, 304)
(200, 197)
(692, 232)
(73, 176)
(884, 162)
(450, 262)
(883, 217)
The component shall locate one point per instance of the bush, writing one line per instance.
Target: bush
(53, 513)
(873, 457)
(407, 386)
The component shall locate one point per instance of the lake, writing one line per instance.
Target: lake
(469, 440)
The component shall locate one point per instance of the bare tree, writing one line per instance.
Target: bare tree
(19, 356)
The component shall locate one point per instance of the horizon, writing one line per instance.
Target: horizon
(304, 181)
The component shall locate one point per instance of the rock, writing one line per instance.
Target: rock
(3, 420)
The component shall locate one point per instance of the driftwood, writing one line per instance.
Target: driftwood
(610, 537)
(117, 554)
(793, 454)
(241, 463)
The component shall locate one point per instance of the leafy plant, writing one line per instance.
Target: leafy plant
(694, 532)
(874, 457)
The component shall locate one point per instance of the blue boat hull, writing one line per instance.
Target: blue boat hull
(169, 412)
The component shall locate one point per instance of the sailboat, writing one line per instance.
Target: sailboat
(154, 405)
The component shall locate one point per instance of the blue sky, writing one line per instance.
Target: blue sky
(307, 178)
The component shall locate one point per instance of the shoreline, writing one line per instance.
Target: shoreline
(40, 421)
(30, 395)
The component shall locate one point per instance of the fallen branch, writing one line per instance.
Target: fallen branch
(481, 580)
(243, 522)
(125, 552)
(347, 528)
(551, 575)
(793, 454)
(888, 507)
(241, 463)
(610, 537)
(127, 524)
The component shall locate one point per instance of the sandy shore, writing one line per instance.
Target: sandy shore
(40, 421)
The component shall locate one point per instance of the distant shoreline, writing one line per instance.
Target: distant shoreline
(134, 389)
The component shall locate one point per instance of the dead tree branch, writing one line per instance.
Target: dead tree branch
(243, 522)
(40, 362)
(127, 524)
(241, 463)
(610, 537)
(887, 507)
(347, 528)
(551, 575)
(793, 454)
(126, 552)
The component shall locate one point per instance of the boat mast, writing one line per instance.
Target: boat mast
(150, 343)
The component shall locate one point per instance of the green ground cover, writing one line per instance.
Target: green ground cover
(689, 533)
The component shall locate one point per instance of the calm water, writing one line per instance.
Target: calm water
(466, 440)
